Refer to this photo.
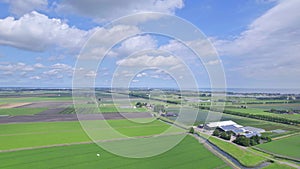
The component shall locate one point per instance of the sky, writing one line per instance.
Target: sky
(214, 43)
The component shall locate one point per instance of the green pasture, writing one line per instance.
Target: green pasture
(245, 157)
(256, 111)
(285, 106)
(187, 154)
(278, 166)
(289, 146)
(22, 135)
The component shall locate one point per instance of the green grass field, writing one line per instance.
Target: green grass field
(276, 106)
(21, 111)
(245, 157)
(256, 111)
(289, 146)
(187, 154)
(278, 166)
(22, 135)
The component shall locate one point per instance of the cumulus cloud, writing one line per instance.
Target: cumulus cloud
(105, 38)
(149, 61)
(104, 10)
(38, 65)
(270, 47)
(135, 44)
(37, 32)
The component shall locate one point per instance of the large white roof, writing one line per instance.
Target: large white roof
(220, 123)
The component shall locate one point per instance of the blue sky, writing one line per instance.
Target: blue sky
(257, 42)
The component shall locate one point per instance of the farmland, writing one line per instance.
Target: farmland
(21, 111)
(49, 133)
(289, 146)
(188, 154)
(246, 158)
(47, 128)
(256, 111)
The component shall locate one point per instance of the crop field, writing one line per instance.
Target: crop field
(187, 154)
(245, 157)
(289, 146)
(33, 99)
(102, 109)
(262, 112)
(276, 106)
(21, 111)
(22, 135)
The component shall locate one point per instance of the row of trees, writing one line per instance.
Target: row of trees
(140, 104)
(264, 117)
(257, 116)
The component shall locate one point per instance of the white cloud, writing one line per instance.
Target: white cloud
(61, 66)
(141, 74)
(104, 39)
(35, 77)
(214, 62)
(91, 74)
(38, 65)
(103, 10)
(149, 61)
(270, 47)
(135, 44)
(37, 32)
(16, 67)
(20, 7)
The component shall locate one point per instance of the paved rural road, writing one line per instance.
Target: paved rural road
(47, 117)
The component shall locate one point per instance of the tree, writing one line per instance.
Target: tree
(225, 136)
(138, 104)
(216, 133)
(192, 131)
(242, 140)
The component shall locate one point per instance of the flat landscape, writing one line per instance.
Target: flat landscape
(48, 129)
(288, 146)
(188, 154)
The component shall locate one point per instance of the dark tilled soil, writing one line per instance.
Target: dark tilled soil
(46, 104)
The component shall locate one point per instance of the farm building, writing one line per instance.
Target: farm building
(246, 131)
(213, 125)
(254, 129)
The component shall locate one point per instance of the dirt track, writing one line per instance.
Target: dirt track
(13, 105)
(70, 117)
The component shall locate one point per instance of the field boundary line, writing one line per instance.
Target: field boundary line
(285, 136)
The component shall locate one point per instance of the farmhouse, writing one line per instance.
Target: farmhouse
(236, 129)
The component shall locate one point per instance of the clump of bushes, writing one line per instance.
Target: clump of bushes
(221, 134)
